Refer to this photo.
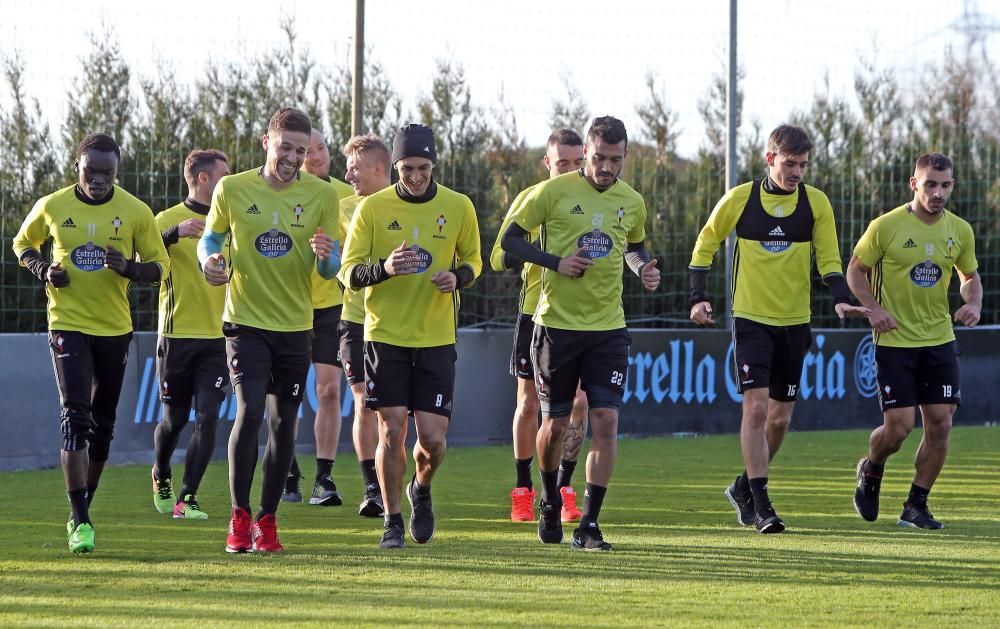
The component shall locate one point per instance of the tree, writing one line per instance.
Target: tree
(571, 113)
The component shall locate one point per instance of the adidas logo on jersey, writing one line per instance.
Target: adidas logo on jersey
(776, 231)
(68, 223)
(394, 226)
(909, 244)
(576, 210)
(253, 209)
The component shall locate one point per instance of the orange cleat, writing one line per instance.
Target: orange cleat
(569, 511)
(522, 505)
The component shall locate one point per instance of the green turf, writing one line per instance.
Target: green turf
(680, 559)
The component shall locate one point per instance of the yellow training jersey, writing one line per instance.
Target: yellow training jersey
(190, 307)
(96, 300)
(531, 274)
(912, 264)
(354, 300)
(271, 260)
(572, 214)
(776, 235)
(326, 293)
(409, 310)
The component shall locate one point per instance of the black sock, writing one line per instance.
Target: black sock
(758, 487)
(593, 498)
(324, 467)
(395, 519)
(368, 472)
(550, 490)
(185, 492)
(261, 513)
(743, 481)
(871, 468)
(918, 495)
(78, 505)
(91, 490)
(523, 467)
(295, 471)
(419, 489)
(566, 469)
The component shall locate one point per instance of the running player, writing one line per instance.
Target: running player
(779, 222)
(327, 302)
(190, 351)
(423, 243)
(909, 253)
(97, 232)
(593, 223)
(368, 167)
(277, 220)
(563, 154)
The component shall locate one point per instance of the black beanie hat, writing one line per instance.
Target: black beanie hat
(414, 140)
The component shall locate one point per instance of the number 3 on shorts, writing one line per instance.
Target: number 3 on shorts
(617, 378)
(295, 389)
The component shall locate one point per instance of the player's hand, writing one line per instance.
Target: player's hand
(575, 265)
(650, 275)
(57, 276)
(968, 315)
(446, 281)
(881, 321)
(322, 245)
(402, 261)
(215, 270)
(848, 310)
(701, 313)
(114, 260)
(191, 228)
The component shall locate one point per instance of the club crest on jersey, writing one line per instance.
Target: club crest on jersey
(926, 274)
(88, 257)
(273, 243)
(621, 215)
(950, 245)
(441, 222)
(117, 224)
(779, 243)
(596, 244)
(298, 215)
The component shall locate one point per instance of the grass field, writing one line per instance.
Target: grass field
(679, 560)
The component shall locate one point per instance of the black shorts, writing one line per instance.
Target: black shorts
(352, 351)
(89, 372)
(187, 366)
(326, 336)
(564, 359)
(281, 359)
(520, 358)
(908, 376)
(419, 378)
(770, 356)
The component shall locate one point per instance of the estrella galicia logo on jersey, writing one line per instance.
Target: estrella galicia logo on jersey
(865, 371)
(441, 222)
(298, 215)
(777, 245)
(88, 257)
(117, 224)
(424, 257)
(69, 223)
(596, 244)
(926, 274)
(253, 210)
(273, 243)
(394, 226)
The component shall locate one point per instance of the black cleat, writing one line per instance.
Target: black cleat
(767, 521)
(325, 493)
(550, 529)
(742, 501)
(918, 516)
(293, 489)
(589, 538)
(371, 505)
(392, 536)
(866, 493)
(421, 514)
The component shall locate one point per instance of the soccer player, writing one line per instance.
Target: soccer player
(368, 168)
(593, 223)
(909, 253)
(411, 247)
(97, 231)
(563, 154)
(190, 351)
(327, 302)
(779, 222)
(277, 220)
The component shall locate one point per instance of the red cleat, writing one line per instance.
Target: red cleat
(238, 540)
(569, 511)
(265, 535)
(522, 505)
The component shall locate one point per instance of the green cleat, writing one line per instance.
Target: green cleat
(81, 539)
(163, 495)
(189, 508)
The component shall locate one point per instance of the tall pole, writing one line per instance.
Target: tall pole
(731, 123)
(358, 85)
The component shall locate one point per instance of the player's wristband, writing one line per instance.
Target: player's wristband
(838, 286)
(32, 260)
(464, 276)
